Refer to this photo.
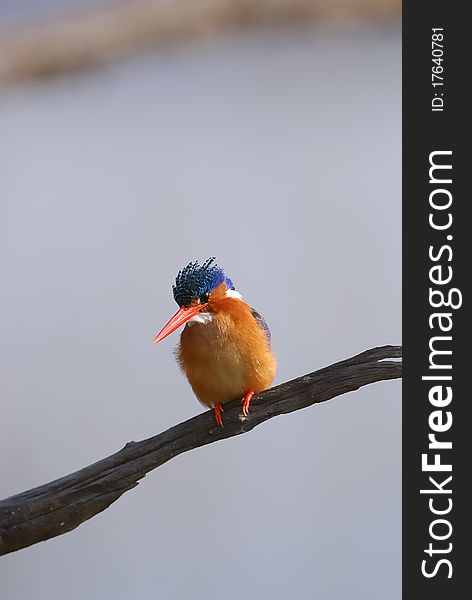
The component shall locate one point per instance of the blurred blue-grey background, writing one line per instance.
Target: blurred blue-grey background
(277, 149)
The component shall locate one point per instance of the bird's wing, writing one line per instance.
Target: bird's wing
(262, 324)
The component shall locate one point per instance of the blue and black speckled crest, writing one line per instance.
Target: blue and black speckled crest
(195, 279)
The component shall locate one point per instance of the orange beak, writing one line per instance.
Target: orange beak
(181, 316)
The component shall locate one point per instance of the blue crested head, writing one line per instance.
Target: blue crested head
(196, 282)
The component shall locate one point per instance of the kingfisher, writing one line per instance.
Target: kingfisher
(225, 346)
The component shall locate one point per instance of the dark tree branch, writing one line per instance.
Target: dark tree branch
(60, 506)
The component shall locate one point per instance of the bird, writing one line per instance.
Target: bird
(225, 347)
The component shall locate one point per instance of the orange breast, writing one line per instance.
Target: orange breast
(228, 356)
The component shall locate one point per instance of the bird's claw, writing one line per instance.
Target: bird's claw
(218, 417)
(246, 402)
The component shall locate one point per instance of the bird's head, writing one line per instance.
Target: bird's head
(194, 289)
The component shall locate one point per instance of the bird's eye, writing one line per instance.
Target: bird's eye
(204, 298)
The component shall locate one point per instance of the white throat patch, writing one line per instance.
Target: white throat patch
(203, 318)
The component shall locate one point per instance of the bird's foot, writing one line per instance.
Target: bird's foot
(218, 417)
(246, 402)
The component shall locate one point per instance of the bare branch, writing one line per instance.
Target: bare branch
(85, 40)
(60, 506)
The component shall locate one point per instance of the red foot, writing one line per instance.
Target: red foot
(246, 402)
(218, 417)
